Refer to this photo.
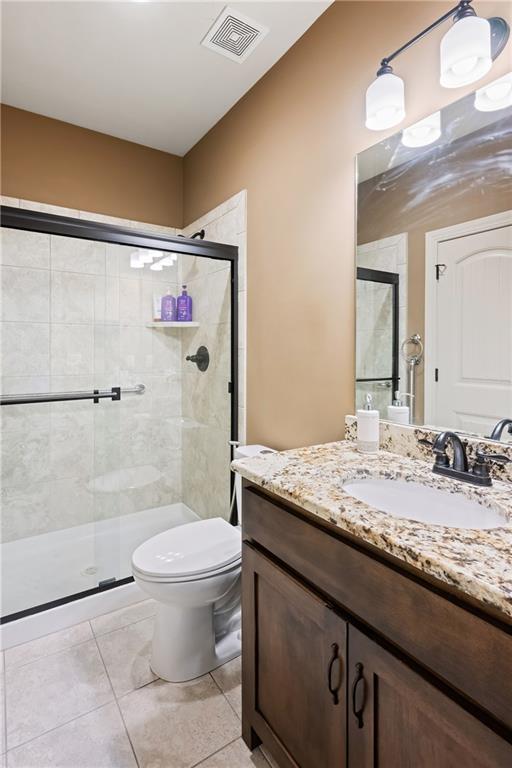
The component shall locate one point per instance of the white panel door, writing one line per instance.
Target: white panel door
(473, 344)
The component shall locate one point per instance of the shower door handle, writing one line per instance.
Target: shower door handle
(58, 397)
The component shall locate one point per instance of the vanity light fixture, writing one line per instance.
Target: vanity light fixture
(423, 132)
(495, 95)
(147, 256)
(166, 261)
(467, 52)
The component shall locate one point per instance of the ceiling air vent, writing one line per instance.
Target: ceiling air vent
(234, 35)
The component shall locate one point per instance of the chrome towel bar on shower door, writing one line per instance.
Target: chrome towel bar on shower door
(55, 397)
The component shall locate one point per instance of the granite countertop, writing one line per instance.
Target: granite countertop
(477, 562)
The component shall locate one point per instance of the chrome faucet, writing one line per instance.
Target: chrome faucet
(498, 429)
(479, 474)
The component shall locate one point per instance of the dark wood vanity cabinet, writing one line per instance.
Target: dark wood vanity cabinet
(323, 689)
(298, 686)
(405, 722)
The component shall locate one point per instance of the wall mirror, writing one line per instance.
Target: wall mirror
(434, 269)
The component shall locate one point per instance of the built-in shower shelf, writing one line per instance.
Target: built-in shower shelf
(163, 324)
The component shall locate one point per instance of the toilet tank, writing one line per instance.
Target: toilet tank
(245, 452)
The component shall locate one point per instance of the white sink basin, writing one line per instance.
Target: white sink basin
(426, 505)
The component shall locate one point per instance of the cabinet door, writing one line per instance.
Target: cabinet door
(398, 720)
(293, 666)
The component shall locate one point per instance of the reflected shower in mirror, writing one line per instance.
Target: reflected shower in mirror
(434, 270)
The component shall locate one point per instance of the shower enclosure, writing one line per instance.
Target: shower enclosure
(112, 426)
(377, 312)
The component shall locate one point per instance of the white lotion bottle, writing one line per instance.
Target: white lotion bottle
(368, 428)
(398, 412)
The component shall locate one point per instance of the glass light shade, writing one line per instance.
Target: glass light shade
(423, 132)
(385, 105)
(157, 266)
(496, 95)
(135, 262)
(466, 52)
(168, 261)
(146, 257)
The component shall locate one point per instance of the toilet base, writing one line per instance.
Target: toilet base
(185, 645)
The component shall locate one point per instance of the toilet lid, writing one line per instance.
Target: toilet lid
(188, 550)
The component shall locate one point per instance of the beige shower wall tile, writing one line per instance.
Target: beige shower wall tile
(56, 210)
(70, 254)
(25, 349)
(24, 449)
(77, 298)
(24, 249)
(19, 385)
(206, 459)
(13, 202)
(158, 229)
(103, 219)
(26, 509)
(72, 349)
(72, 447)
(25, 294)
(107, 356)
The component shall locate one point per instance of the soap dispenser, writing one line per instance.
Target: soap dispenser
(368, 428)
(398, 412)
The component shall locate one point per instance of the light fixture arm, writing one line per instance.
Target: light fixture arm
(457, 12)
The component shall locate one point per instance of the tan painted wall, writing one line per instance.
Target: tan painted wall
(54, 162)
(291, 142)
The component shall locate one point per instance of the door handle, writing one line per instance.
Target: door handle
(333, 690)
(359, 695)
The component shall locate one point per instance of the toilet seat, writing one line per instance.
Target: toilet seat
(189, 552)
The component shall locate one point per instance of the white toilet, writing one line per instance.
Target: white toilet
(193, 572)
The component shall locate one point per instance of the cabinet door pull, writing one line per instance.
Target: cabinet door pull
(358, 695)
(333, 690)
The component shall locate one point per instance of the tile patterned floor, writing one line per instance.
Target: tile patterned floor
(86, 697)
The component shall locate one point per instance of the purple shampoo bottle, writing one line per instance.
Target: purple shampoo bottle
(168, 313)
(184, 306)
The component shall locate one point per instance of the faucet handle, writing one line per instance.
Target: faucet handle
(483, 461)
(497, 458)
(441, 457)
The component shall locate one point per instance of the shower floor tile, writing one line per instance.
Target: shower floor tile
(68, 705)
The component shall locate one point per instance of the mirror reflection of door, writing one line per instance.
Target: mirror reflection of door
(469, 303)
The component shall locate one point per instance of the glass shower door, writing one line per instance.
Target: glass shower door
(92, 474)
(376, 337)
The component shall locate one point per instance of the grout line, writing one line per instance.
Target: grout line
(224, 694)
(127, 732)
(116, 701)
(117, 629)
(47, 655)
(201, 762)
(61, 725)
